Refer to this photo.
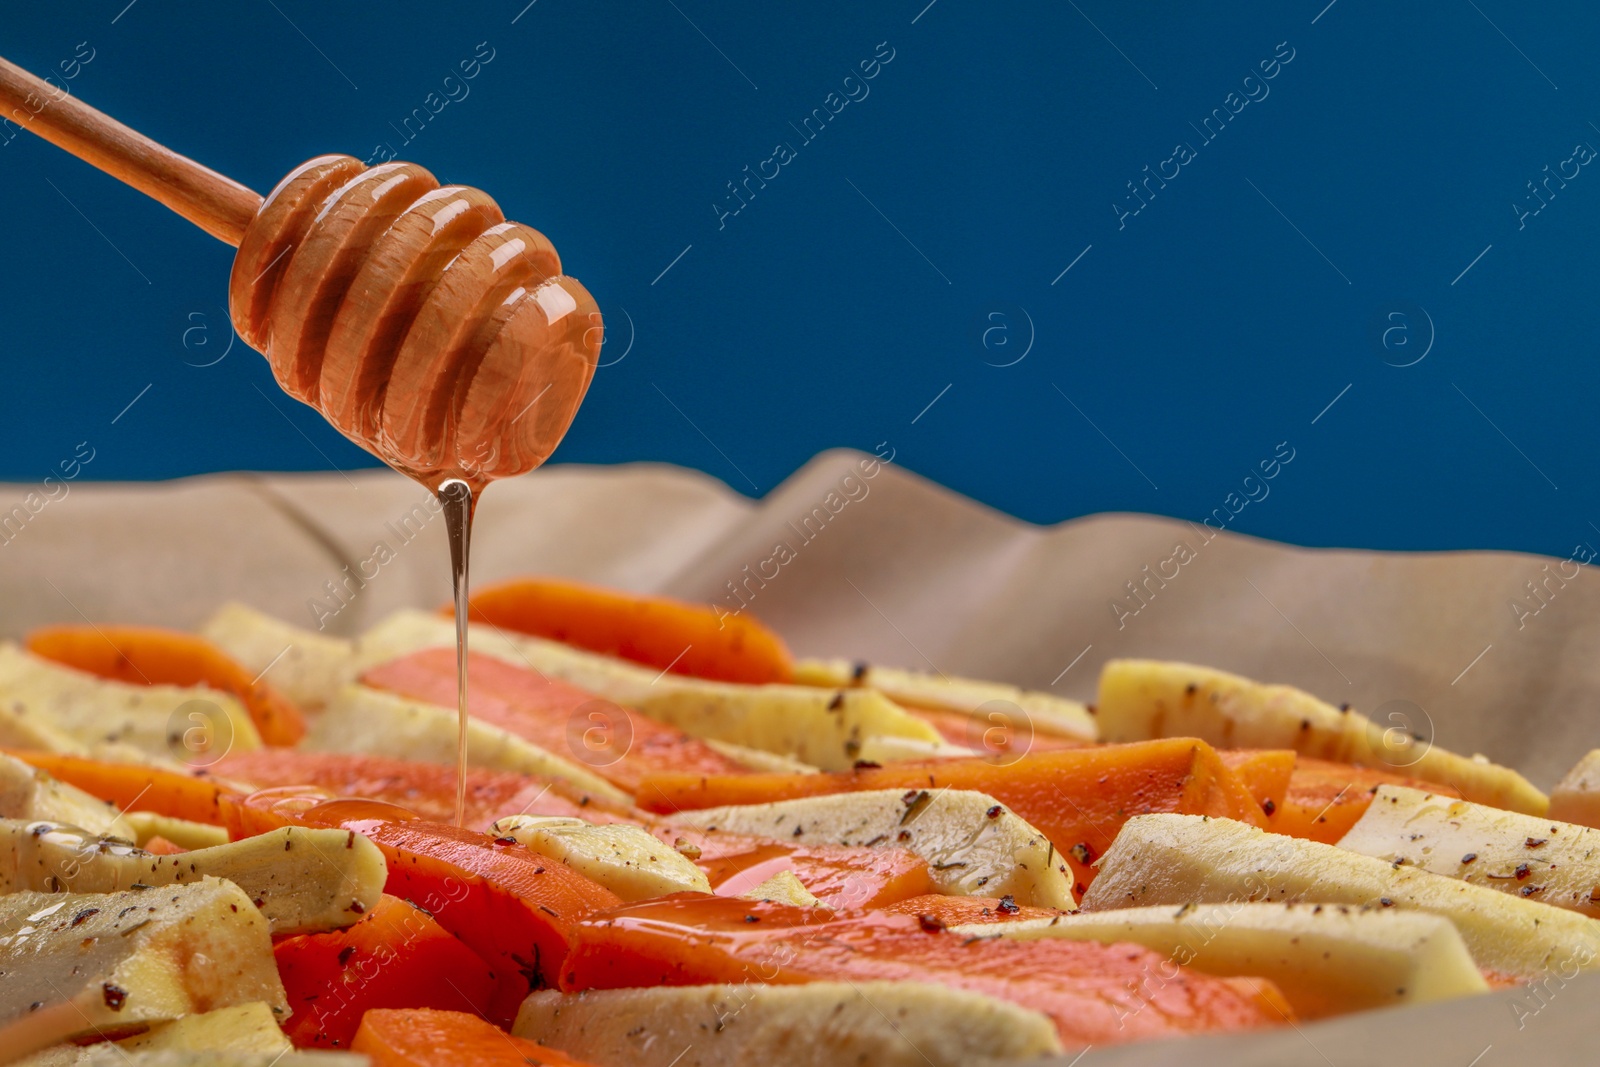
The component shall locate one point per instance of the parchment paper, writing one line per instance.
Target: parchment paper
(1481, 651)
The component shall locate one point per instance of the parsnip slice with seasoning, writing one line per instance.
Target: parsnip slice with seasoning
(30, 794)
(185, 833)
(626, 859)
(108, 963)
(824, 728)
(375, 723)
(303, 880)
(819, 1024)
(19, 730)
(1193, 859)
(967, 696)
(95, 711)
(1141, 700)
(1328, 959)
(974, 845)
(1552, 862)
(240, 1030)
(1576, 798)
(306, 666)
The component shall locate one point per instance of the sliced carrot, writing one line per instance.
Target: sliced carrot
(428, 789)
(1325, 799)
(397, 956)
(149, 655)
(936, 910)
(1078, 798)
(1096, 994)
(1265, 772)
(427, 1038)
(194, 796)
(620, 746)
(514, 908)
(669, 635)
(960, 729)
(841, 877)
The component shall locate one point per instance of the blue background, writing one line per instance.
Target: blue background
(910, 249)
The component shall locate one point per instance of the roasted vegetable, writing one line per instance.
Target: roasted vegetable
(1539, 859)
(301, 879)
(821, 1024)
(1326, 959)
(663, 634)
(1142, 699)
(973, 845)
(396, 956)
(108, 963)
(1184, 859)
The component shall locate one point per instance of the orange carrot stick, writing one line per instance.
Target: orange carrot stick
(138, 787)
(151, 656)
(692, 639)
(1265, 772)
(395, 957)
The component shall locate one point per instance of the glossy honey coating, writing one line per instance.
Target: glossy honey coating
(422, 324)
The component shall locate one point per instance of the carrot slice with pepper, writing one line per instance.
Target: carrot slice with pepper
(139, 787)
(152, 656)
(1265, 772)
(429, 789)
(1096, 994)
(669, 635)
(1325, 799)
(620, 746)
(839, 876)
(426, 1038)
(1078, 798)
(514, 908)
(397, 956)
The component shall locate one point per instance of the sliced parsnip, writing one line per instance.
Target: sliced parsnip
(30, 794)
(784, 888)
(21, 731)
(1553, 862)
(754, 759)
(974, 845)
(626, 859)
(306, 666)
(816, 726)
(820, 1024)
(824, 728)
(1144, 699)
(185, 833)
(302, 880)
(107, 963)
(94, 711)
(1045, 713)
(1193, 859)
(376, 723)
(1327, 959)
(1576, 798)
(243, 1028)
(881, 749)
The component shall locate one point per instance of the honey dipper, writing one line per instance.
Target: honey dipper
(424, 326)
